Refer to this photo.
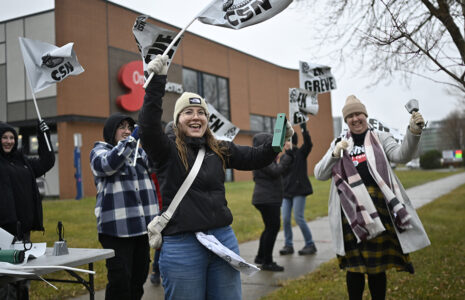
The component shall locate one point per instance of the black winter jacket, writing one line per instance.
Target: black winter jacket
(296, 182)
(8, 193)
(268, 180)
(204, 206)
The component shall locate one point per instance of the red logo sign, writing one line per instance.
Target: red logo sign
(131, 75)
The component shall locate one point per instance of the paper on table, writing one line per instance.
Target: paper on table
(6, 239)
(237, 262)
(37, 249)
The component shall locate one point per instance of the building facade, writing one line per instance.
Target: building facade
(247, 90)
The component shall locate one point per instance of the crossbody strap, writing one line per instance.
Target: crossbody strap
(185, 185)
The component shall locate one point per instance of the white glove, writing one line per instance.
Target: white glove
(416, 123)
(341, 145)
(158, 65)
(289, 131)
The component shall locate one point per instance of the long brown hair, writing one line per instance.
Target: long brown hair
(219, 147)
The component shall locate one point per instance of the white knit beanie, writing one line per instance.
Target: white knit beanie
(187, 100)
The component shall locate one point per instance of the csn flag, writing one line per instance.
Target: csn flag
(301, 103)
(316, 78)
(47, 64)
(238, 14)
(220, 126)
(153, 40)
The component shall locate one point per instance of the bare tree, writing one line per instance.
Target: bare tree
(386, 36)
(453, 130)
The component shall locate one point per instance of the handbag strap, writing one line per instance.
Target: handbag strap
(185, 186)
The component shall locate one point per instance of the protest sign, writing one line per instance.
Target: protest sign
(220, 126)
(301, 103)
(316, 78)
(153, 40)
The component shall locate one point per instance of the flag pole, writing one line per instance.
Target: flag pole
(135, 155)
(37, 111)
(176, 38)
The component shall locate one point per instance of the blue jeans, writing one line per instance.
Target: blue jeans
(298, 202)
(191, 271)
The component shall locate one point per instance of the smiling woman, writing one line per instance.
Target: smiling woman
(189, 270)
(8, 141)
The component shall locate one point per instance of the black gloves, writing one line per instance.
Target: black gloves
(43, 127)
(303, 126)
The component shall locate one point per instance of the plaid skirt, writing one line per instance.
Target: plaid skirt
(377, 254)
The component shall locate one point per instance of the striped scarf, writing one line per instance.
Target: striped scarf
(355, 199)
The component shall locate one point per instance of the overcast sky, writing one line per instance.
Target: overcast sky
(284, 40)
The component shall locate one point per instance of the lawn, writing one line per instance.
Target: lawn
(80, 227)
(438, 268)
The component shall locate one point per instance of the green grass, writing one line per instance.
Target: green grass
(438, 268)
(80, 224)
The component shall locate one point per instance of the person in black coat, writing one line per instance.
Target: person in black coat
(267, 198)
(20, 201)
(297, 187)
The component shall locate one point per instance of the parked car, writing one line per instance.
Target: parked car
(413, 164)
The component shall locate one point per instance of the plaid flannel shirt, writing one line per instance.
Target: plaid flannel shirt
(126, 195)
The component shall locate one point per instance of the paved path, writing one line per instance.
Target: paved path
(265, 282)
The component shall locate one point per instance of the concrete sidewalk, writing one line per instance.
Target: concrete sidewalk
(295, 265)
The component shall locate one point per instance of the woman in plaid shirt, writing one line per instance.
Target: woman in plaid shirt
(126, 203)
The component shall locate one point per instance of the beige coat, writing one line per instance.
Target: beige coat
(410, 240)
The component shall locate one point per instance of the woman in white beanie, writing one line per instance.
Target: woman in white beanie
(188, 269)
(373, 223)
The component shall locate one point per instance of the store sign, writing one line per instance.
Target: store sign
(131, 76)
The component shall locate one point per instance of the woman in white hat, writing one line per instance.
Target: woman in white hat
(188, 269)
(373, 223)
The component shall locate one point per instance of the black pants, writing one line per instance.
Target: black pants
(271, 215)
(128, 269)
(356, 285)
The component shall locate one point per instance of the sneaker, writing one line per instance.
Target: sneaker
(307, 250)
(259, 260)
(272, 266)
(286, 250)
(155, 278)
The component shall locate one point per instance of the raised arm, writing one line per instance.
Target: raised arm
(46, 158)
(106, 161)
(281, 168)
(307, 145)
(156, 144)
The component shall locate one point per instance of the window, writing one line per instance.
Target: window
(213, 88)
(262, 123)
(34, 143)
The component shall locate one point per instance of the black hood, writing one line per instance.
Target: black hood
(112, 124)
(262, 138)
(4, 127)
(169, 130)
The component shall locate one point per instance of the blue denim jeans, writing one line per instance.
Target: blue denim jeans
(191, 271)
(298, 202)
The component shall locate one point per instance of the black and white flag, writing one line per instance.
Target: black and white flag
(301, 103)
(237, 14)
(221, 127)
(153, 40)
(47, 64)
(316, 78)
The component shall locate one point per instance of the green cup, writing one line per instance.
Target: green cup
(12, 256)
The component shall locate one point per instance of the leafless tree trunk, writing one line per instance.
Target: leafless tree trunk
(453, 130)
